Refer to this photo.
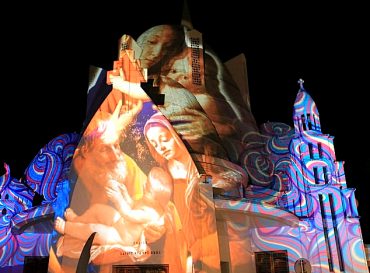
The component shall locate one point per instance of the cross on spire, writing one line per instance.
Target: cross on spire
(300, 82)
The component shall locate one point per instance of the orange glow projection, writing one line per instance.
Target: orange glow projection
(137, 187)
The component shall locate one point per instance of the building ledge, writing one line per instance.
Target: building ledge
(254, 214)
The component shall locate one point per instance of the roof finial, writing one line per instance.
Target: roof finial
(300, 82)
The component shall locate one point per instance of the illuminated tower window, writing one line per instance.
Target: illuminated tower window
(336, 233)
(195, 57)
(314, 121)
(309, 121)
(303, 118)
(310, 148)
(124, 46)
(326, 178)
(326, 233)
(320, 149)
(316, 176)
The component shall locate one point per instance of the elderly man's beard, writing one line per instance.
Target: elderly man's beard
(119, 172)
(112, 170)
(97, 167)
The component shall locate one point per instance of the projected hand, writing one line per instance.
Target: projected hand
(131, 89)
(123, 115)
(154, 231)
(114, 192)
(192, 124)
(119, 196)
(121, 118)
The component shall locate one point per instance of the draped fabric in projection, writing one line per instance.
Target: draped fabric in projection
(172, 174)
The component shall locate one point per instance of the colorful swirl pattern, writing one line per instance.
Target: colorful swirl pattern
(297, 199)
(297, 172)
(266, 156)
(45, 175)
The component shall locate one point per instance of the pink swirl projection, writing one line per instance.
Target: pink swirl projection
(275, 238)
(259, 167)
(305, 104)
(266, 155)
(48, 168)
(353, 253)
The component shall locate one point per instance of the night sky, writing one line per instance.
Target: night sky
(46, 55)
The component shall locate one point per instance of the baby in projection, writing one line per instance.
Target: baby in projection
(124, 223)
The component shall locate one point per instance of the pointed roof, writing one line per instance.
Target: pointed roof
(304, 104)
(186, 19)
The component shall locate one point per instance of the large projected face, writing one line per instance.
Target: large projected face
(158, 43)
(174, 54)
(163, 141)
(137, 187)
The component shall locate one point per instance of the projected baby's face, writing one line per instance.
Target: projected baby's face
(178, 71)
(160, 184)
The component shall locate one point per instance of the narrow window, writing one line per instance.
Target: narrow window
(326, 233)
(309, 122)
(336, 235)
(310, 148)
(315, 175)
(195, 57)
(303, 122)
(319, 147)
(326, 178)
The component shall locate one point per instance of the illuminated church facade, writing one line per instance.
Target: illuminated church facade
(172, 174)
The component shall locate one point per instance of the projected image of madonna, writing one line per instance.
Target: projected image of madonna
(195, 213)
(114, 190)
(110, 184)
(177, 54)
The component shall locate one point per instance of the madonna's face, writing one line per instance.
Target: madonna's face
(163, 142)
(154, 43)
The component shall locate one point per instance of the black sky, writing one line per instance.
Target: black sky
(45, 59)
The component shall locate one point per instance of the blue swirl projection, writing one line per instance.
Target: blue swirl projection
(310, 184)
(296, 198)
(266, 156)
(25, 228)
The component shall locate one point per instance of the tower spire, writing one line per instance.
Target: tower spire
(306, 116)
(186, 20)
